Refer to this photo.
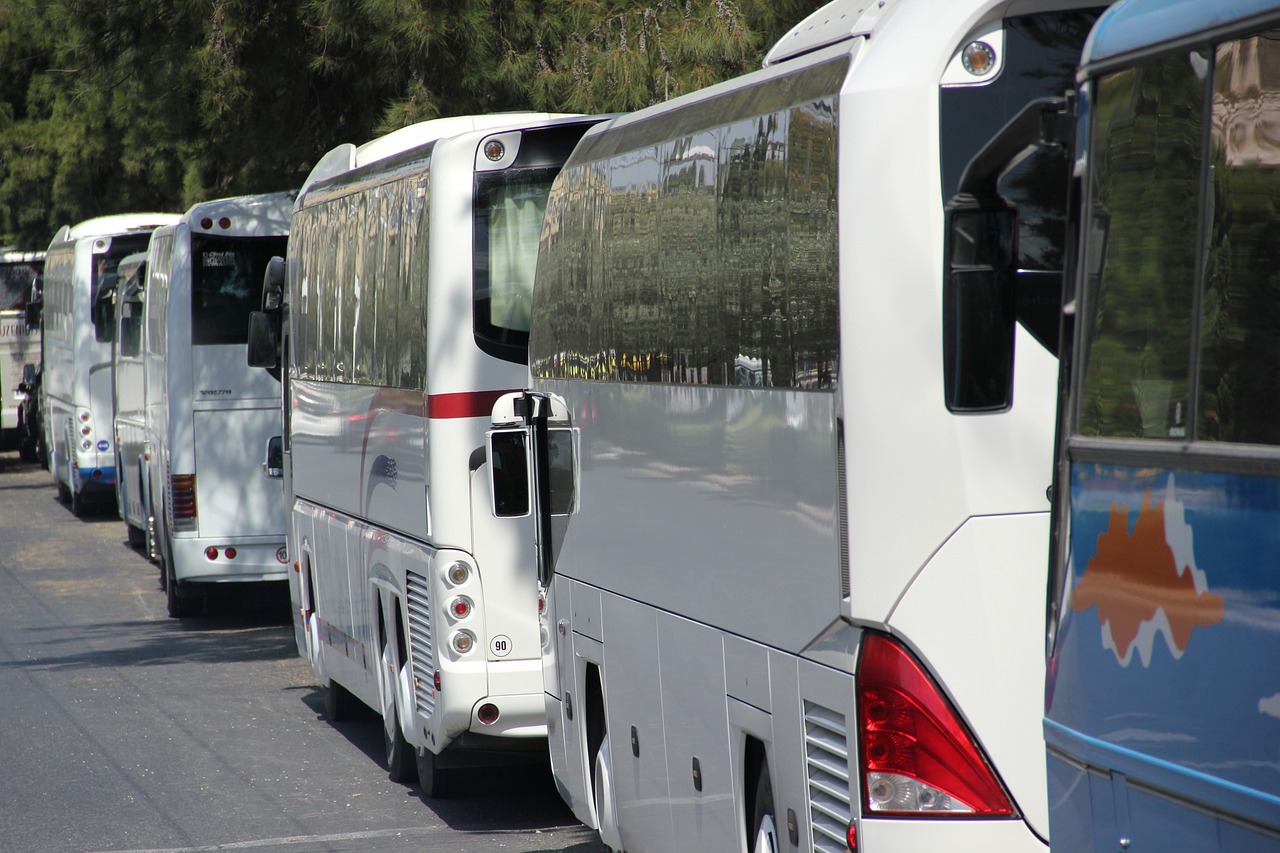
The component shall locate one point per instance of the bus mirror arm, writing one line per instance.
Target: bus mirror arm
(537, 412)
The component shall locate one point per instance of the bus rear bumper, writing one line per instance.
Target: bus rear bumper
(212, 560)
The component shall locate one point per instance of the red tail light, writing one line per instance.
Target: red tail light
(183, 489)
(918, 757)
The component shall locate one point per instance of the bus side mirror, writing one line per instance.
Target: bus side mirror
(264, 340)
(103, 317)
(273, 464)
(978, 304)
(509, 471)
(35, 303)
(273, 285)
(28, 383)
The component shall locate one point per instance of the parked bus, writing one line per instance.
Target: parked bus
(215, 517)
(76, 389)
(124, 305)
(790, 477)
(409, 272)
(1162, 712)
(19, 343)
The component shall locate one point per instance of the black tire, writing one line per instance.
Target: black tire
(401, 764)
(339, 704)
(432, 778)
(763, 837)
(79, 506)
(181, 603)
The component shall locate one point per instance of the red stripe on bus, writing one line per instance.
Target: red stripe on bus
(466, 404)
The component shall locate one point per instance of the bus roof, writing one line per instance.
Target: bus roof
(1139, 26)
(251, 215)
(833, 23)
(346, 157)
(120, 223)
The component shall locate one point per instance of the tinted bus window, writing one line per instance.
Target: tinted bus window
(1147, 160)
(226, 285)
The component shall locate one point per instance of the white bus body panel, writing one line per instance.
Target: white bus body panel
(209, 413)
(131, 430)
(947, 515)
(77, 367)
(19, 346)
(385, 492)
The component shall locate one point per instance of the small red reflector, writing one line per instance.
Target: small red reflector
(461, 607)
(211, 553)
(851, 838)
(488, 713)
(437, 679)
(231, 553)
(224, 222)
(206, 223)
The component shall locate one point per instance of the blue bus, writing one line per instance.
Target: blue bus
(1162, 717)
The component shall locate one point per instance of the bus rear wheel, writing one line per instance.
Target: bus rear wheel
(764, 835)
(400, 761)
(179, 601)
(432, 778)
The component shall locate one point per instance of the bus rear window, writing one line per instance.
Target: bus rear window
(508, 223)
(226, 285)
(16, 279)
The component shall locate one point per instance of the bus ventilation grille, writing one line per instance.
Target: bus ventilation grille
(420, 644)
(827, 748)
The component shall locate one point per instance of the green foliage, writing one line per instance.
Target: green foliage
(158, 104)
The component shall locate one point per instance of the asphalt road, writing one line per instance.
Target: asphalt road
(124, 730)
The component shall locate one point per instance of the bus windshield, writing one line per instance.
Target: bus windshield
(509, 209)
(226, 285)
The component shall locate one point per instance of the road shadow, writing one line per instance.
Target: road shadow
(518, 796)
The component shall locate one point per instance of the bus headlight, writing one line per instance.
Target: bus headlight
(463, 642)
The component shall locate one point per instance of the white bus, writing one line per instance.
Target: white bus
(124, 307)
(19, 343)
(215, 516)
(76, 389)
(409, 272)
(795, 600)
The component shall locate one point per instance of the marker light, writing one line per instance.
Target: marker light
(86, 430)
(224, 222)
(494, 150)
(211, 553)
(206, 223)
(918, 757)
(463, 642)
(84, 417)
(488, 713)
(231, 553)
(460, 607)
(86, 445)
(978, 58)
(458, 573)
